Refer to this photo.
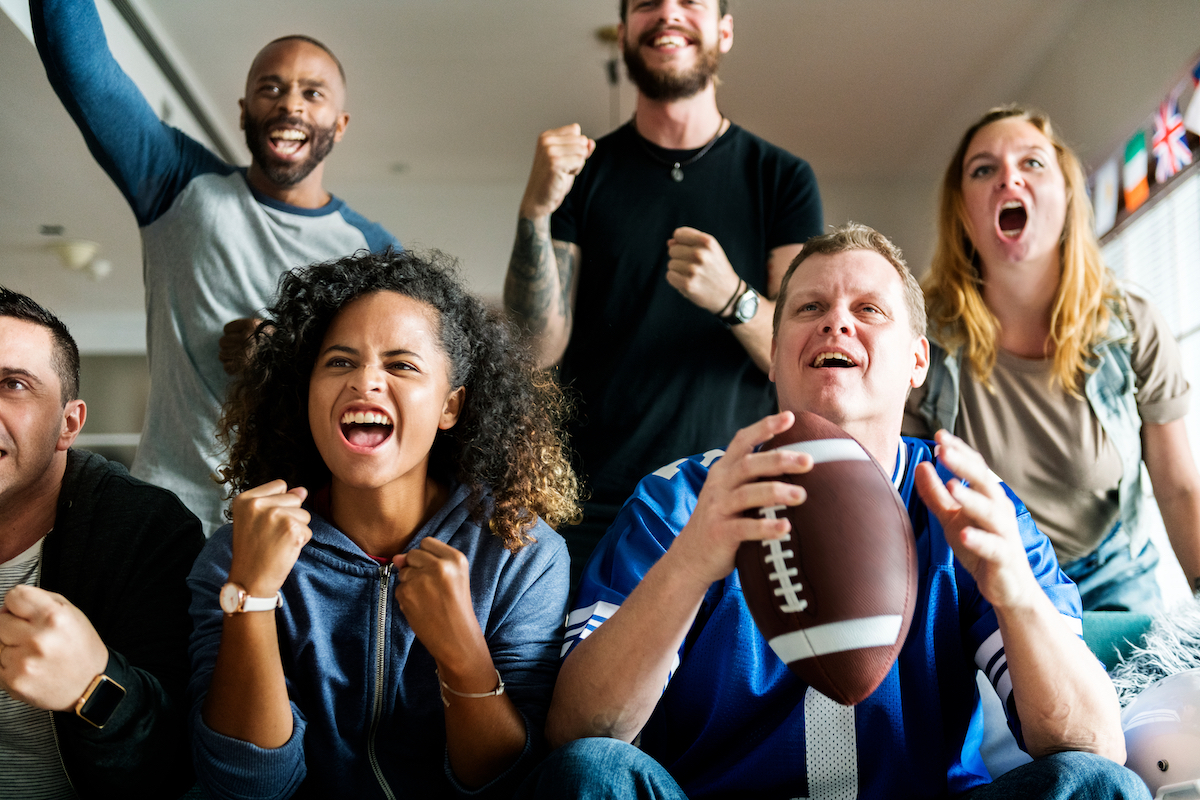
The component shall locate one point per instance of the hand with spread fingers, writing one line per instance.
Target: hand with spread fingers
(699, 269)
(559, 157)
(270, 527)
(434, 592)
(708, 544)
(979, 521)
(50, 650)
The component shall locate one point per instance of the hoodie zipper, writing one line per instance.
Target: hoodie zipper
(385, 572)
(54, 725)
(58, 749)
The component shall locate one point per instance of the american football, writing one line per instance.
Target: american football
(835, 599)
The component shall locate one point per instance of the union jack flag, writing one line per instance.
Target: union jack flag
(1170, 143)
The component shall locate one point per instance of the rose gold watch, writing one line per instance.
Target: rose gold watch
(236, 600)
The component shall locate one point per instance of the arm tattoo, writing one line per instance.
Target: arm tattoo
(540, 280)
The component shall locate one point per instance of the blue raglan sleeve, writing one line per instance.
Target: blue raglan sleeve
(985, 631)
(149, 161)
(228, 767)
(648, 523)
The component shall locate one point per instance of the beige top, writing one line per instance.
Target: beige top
(1049, 447)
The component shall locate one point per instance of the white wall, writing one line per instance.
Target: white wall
(1097, 94)
(902, 209)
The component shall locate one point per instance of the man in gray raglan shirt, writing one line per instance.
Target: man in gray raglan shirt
(215, 237)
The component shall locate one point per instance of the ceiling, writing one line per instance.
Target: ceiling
(447, 98)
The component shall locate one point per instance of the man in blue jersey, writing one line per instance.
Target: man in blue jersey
(215, 238)
(661, 605)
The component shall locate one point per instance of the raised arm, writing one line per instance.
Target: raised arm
(1168, 458)
(612, 680)
(148, 161)
(1064, 699)
(539, 290)
(699, 269)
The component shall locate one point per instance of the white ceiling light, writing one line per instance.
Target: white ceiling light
(75, 254)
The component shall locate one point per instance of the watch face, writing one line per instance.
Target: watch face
(106, 695)
(747, 305)
(230, 598)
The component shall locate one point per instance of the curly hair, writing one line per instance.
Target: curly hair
(508, 437)
(1087, 291)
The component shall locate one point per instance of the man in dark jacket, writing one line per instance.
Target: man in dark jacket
(94, 624)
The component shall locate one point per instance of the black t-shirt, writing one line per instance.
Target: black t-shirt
(657, 378)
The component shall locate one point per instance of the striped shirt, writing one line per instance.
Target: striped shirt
(30, 766)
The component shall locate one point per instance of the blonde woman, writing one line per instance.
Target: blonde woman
(1064, 381)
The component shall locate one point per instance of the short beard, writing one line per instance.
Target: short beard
(668, 86)
(286, 174)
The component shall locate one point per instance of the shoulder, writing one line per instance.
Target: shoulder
(547, 547)
(767, 153)
(378, 238)
(676, 484)
(463, 523)
(663, 501)
(96, 488)
(110, 524)
(1144, 317)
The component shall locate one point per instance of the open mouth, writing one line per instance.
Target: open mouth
(833, 359)
(287, 141)
(366, 428)
(667, 38)
(1013, 217)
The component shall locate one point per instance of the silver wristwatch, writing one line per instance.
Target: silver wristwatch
(744, 308)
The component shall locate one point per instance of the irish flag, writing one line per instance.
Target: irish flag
(1134, 176)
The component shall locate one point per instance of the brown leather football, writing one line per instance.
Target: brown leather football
(835, 599)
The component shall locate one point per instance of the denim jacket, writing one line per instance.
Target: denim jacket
(1111, 391)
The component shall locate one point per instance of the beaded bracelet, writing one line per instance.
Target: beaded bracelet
(443, 688)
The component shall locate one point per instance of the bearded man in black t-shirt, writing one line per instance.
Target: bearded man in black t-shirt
(646, 264)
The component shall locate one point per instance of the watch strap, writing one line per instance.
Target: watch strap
(261, 603)
(234, 599)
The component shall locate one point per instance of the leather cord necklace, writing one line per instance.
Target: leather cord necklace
(677, 166)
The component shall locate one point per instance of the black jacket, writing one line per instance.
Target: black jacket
(120, 551)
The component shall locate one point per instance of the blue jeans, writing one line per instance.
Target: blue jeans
(608, 769)
(1066, 775)
(1111, 579)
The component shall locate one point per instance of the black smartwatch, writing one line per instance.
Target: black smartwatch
(99, 700)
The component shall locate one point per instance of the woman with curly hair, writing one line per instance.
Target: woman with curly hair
(1063, 380)
(388, 438)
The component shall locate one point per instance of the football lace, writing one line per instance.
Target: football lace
(782, 573)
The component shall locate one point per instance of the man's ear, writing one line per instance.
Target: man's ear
(452, 408)
(725, 33)
(342, 121)
(920, 362)
(241, 113)
(74, 413)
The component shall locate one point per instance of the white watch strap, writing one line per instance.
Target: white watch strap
(262, 603)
